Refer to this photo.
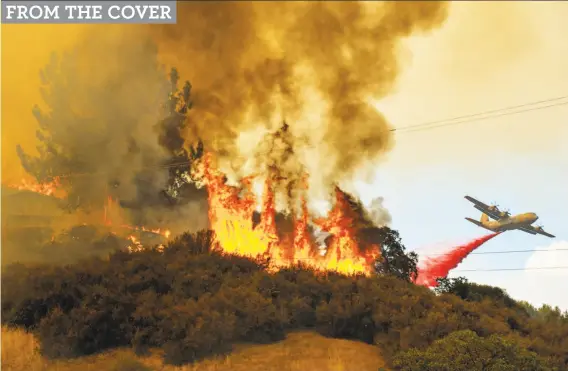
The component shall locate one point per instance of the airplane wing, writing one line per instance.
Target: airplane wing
(484, 208)
(533, 230)
(527, 230)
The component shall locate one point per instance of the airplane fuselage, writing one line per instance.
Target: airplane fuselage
(503, 221)
(509, 223)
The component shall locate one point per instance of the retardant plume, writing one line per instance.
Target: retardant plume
(439, 267)
(314, 65)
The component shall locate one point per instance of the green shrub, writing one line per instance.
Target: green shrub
(465, 351)
(195, 302)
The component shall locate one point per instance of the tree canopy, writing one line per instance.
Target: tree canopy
(395, 260)
(115, 131)
(192, 302)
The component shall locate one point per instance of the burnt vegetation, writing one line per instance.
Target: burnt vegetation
(193, 302)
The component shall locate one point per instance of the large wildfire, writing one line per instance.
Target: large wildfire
(245, 224)
(239, 229)
(231, 215)
(317, 67)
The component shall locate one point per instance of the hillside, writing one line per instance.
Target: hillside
(188, 303)
(29, 220)
(298, 352)
(35, 229)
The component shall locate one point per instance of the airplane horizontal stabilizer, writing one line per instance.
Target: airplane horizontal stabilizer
(474, 222)
(477, 223)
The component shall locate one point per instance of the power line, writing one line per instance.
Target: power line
(494, 110)
(482, 270)
(480, 253)
(483, 115)
(7, 225)
(410, 128)
(501, 252)
(509, 269)
(487, 117)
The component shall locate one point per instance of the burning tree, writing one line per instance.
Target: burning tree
(249, 225)
(114, 133)
(284, 116)
(179, 188)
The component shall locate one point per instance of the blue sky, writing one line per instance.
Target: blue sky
(519, 161)
(428, 208)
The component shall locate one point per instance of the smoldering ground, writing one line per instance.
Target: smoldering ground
(253, 66)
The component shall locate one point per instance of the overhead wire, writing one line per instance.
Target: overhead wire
(496, 269)
(509, 269)
(438, 254)
(502, 252)
(457, 120)
(421, 255)
(521, 108)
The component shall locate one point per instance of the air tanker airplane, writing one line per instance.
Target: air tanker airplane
(503, 219)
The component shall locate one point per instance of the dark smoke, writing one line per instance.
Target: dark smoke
(114, 124)
(314, 65)
(109, 129)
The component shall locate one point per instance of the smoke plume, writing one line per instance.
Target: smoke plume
(313, 65)
(99, 133)
(378, 213)
(304, 70)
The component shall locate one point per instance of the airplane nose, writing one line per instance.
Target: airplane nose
(534, 216)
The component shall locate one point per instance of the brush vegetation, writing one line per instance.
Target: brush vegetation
(190, 303)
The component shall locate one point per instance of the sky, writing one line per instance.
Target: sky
(519, 161)
(487, 56)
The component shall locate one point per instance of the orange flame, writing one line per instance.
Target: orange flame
(49, 189)
(111, 208)
(231, 219)
(136, 245)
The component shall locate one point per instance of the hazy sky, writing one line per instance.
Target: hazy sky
(487, 56)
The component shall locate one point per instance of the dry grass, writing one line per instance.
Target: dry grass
(301, 351)
(19, 351)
